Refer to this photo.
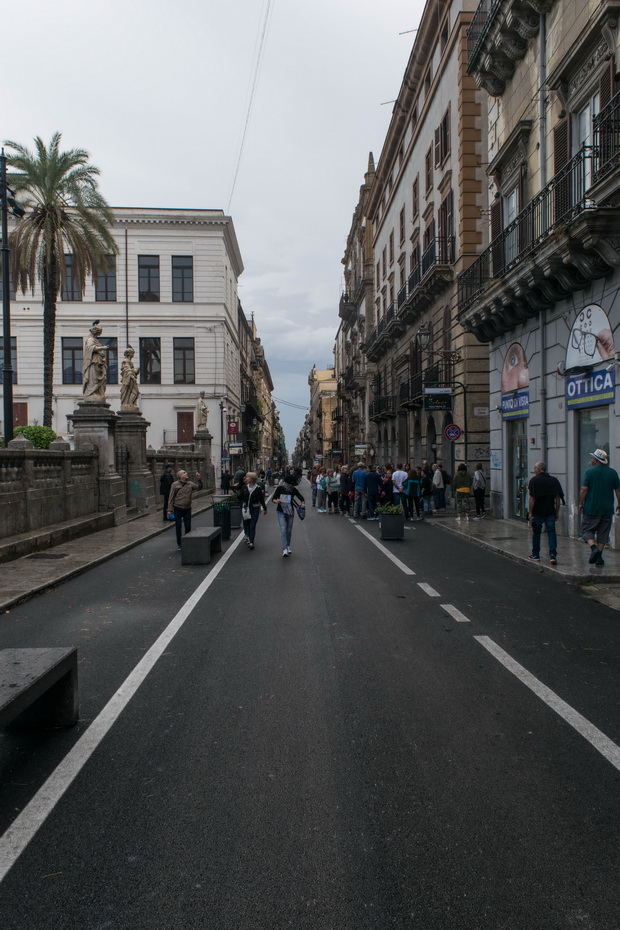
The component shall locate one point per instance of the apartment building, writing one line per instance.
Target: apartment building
(352, 432)
(428, 380)
(172, 296)
(543, 294)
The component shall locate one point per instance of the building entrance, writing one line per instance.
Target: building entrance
(518, 477)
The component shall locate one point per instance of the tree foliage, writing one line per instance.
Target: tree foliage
(66, 214)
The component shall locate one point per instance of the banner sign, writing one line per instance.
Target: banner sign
(516, 406)
(233, 427)
(591, 390)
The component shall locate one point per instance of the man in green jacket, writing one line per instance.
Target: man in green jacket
(596, 503)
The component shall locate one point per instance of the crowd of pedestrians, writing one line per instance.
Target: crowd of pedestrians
(420, 490)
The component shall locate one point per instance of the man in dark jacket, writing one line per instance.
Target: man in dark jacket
(165, 483)
(544, 506)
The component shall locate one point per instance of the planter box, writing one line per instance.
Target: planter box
(392, 525)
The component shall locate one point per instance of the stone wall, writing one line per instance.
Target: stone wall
(39, 487)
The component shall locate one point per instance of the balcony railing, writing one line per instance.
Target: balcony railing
(382, 407)
(478, 28)
(607, 139)
(564, 198)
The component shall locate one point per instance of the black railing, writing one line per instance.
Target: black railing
(402, 296)
(560, 201)
(383, 406)
(478, 28)
(607, 138)
(439, 251)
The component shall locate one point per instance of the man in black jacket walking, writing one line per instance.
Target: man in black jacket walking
(165, 483)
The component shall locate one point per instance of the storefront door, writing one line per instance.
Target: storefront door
(593, 425)
(518, 477)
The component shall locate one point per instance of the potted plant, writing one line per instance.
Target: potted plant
(231, 503)
(391, 521)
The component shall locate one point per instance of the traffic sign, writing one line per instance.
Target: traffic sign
(452, 432)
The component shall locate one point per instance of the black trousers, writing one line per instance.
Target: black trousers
(182, 517)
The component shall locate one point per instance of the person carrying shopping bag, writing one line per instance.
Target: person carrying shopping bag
(252, 500)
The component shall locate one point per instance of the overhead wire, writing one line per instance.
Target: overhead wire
(255, 75)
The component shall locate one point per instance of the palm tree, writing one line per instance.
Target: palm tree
(66, 213)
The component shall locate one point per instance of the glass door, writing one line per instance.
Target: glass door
(518, 477)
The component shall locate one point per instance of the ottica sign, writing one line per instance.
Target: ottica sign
(515, 406)
(591, 390)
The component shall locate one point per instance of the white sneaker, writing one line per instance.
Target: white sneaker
(289, 551)
(285, 552)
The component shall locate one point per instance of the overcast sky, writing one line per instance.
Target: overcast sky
(158, 93)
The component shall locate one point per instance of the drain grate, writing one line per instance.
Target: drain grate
(48, 555)
(502, 538)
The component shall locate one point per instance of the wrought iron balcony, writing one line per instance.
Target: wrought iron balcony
(383, 407)
(498, 36)
(561, 241)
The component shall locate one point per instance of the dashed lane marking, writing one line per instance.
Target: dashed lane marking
(428, 590)
(455, 613)
(596, 738)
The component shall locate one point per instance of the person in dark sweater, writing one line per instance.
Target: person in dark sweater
(545, 494)
(165, 483)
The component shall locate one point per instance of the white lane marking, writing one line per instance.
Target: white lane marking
(455, 613)
(428, 590)
(24, 827)
(404, 568)
(602, 743)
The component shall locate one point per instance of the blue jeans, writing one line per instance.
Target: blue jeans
(286, 528)
(182, 518)
(373, 500)
(249, 526)
(537, 525)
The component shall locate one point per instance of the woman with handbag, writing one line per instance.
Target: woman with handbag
(284, 496)
(252, 499)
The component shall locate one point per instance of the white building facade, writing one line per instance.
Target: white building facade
(172, 296)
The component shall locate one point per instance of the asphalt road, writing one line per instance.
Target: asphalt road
(322, 744)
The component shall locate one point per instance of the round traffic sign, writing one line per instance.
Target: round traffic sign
(452, 432)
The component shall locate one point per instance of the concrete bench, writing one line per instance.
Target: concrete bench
(196, 546)
(39, 684)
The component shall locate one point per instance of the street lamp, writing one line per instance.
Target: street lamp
(8, 201)
(423, 338)
(223, 411)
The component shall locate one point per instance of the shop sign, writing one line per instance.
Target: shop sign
(516, 406)
(361, 448)
(591, 390)
(233, 427)
(235, 448)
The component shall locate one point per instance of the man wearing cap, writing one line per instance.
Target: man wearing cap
(596, 503)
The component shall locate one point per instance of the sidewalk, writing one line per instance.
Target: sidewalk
(30, 575)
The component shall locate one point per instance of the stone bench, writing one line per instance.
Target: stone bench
(196, 546)
(39, 684)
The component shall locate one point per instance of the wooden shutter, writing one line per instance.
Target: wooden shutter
(561, 157)
(438, 146)
(497, 225)
(606, 84)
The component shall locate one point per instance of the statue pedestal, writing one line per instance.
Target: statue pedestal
(94, 426)
(131, 460)
(202, 442)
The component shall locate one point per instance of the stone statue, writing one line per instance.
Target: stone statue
(129, 380)
(202, 412)
(95, 366)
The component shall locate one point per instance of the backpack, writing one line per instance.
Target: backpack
(412, 487)
(446, 478)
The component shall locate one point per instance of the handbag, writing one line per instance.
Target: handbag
(245, 512)
(301, 511)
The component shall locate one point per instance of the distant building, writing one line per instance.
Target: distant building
(320, 425)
